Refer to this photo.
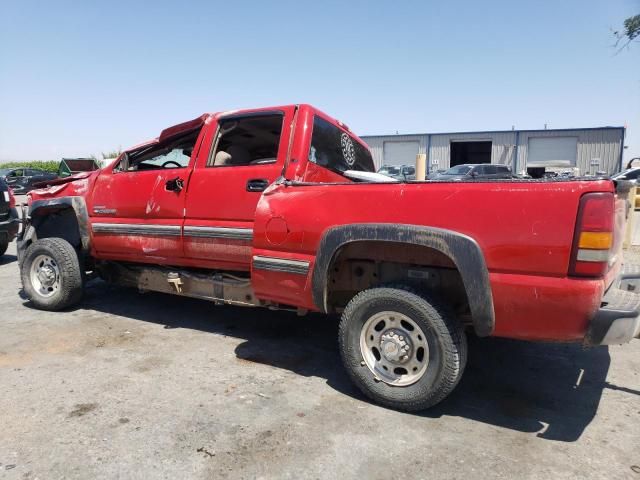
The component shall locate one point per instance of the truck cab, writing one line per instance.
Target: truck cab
(190, 195)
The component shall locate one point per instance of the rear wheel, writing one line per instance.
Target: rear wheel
(51, 274)
(402, 349)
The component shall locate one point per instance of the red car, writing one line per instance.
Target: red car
(280, 207)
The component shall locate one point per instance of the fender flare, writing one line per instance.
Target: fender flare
(41, 208)
(463, 250)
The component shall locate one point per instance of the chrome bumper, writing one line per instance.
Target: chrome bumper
(618, 318)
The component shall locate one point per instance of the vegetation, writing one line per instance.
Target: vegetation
(630, 32)
(46, 165)
(111, 154)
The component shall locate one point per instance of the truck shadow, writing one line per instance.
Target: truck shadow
(7, 258)
(552, 390)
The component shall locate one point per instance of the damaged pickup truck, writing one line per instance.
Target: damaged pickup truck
(280, 207)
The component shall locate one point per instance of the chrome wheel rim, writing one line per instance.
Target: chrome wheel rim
(45, 275)
(394, 348)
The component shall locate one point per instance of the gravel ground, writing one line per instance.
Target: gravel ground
(148, 386)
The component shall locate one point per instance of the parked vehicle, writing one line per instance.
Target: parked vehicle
(402, 173)
(632, 174)
(9, 220)
(23, 180)
(281, 208)
(471, 171)
(435, 174)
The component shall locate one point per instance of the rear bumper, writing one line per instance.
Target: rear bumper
(10, 226)
(618, 318)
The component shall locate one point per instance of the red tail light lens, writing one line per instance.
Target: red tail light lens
(12, 198)
(593, 237)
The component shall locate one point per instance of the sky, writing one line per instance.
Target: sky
(83, 77)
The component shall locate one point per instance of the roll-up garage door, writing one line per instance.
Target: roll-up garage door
(400, 153)
(552, 152)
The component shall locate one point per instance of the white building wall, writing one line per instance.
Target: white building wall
(376, 144)
(600, 144)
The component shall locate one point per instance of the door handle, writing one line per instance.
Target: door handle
(174, 185)
(257, 184)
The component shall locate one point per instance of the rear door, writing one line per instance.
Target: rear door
(244, 155)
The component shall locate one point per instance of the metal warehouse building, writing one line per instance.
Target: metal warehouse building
(583, 150)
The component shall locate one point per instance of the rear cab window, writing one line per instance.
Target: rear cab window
(336, 150)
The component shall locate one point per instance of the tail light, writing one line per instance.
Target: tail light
(12, 198)
(593, 237)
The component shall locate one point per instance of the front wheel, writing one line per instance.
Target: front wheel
(51, 274)
(402, 349)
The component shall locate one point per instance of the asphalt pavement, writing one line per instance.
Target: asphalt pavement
(131, 385)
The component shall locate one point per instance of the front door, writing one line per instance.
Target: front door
(244, 156)
(137, 207)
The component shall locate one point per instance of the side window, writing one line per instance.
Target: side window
(175, 152)
(337, 150)
(18, 173)
(632, 175)
(250, 140)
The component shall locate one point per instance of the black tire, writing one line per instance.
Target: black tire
(70, 287)
(445, 337)
(4, 243)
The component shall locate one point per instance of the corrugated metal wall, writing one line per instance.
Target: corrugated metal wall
(601, 145)
(502, 147)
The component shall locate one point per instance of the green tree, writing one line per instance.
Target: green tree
(630, 32)
(111, 154)
(47, 166)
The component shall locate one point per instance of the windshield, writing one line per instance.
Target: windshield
(627, 174)
(4, 171)
(459, 170)
(389, 171)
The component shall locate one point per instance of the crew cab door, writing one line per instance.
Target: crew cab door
(243, 155)
(137, 206)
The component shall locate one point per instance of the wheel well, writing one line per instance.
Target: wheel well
(361, 265)
(59, 223)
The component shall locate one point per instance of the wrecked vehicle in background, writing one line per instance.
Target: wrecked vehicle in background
(281, 208)
(9, 220)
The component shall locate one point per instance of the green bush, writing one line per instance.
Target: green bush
(46, 165)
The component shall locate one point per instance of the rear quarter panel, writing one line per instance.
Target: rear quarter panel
(524, 228)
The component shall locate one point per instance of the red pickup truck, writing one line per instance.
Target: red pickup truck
(280, 207)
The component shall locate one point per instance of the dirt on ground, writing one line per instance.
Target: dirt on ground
(131, 385)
